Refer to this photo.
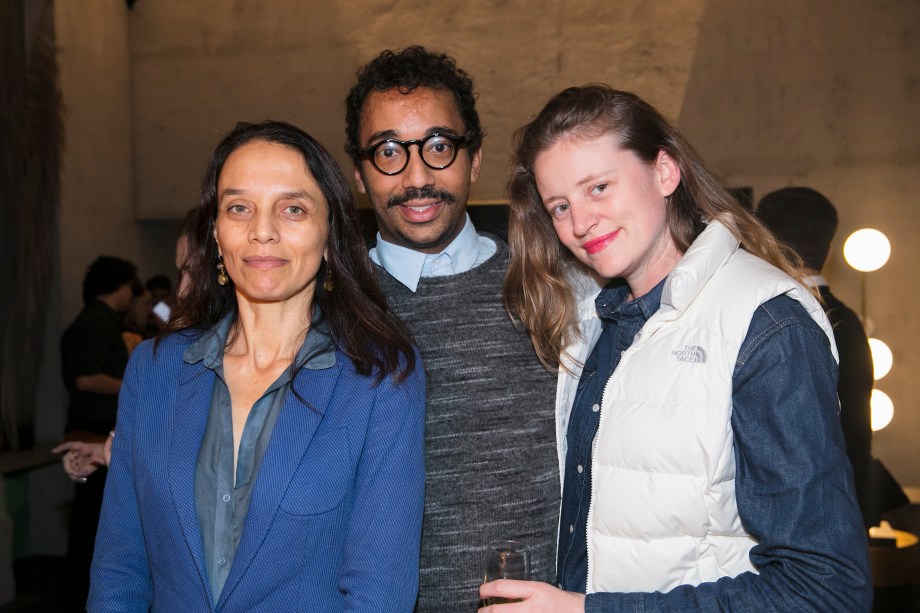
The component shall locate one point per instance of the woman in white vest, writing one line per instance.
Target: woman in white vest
(698, 425)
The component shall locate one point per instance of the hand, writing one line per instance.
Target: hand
(81, 459)
(535, 597)
(107, 449)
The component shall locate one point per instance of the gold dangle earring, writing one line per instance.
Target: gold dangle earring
(328, 285)
(222, 277)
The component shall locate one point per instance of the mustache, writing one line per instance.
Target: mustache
(421, 193)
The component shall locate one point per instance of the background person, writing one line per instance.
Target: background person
(87, 456)
(186, 227)
(138, 318)
(705, 465)
(94, 353)
(806, 221)
(269, 450)
(491, 465)
(160, 288)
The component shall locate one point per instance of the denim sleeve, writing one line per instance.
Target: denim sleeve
(794, 485)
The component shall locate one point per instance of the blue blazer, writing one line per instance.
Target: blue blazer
(335, 516)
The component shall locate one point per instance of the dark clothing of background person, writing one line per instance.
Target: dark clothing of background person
(92, 344)
(854, 388)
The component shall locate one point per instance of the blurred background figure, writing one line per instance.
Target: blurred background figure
(137, 322)
(805, 220)
(185, 229)
(85, 456)
(94, 353)
(162, 302)
(160, 288)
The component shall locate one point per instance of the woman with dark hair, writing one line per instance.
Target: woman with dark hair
(699, 437)
(268, 454)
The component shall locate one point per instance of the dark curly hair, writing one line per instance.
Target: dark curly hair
(105, 275)
(407, 70)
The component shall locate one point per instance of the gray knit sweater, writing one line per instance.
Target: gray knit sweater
(490, 447)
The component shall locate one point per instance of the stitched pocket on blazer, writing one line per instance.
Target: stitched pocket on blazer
(323, 477)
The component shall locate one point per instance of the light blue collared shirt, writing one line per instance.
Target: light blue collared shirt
(816, 281)
(407, 266)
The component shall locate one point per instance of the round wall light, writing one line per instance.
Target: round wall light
(882, 410)
(881, 358)
(867, 250)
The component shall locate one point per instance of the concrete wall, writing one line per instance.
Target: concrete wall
(197, 71)
(823, 93)
(97, 186)
(97, 212)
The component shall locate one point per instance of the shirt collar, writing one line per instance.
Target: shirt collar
(816, 281)
(611, 303)
(408, 266)
(316, 353)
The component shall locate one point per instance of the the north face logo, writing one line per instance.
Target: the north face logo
(690, 353)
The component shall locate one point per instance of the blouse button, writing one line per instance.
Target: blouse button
(596, 408)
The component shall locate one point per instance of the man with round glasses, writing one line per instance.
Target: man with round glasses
(414, 137)
(391, 156)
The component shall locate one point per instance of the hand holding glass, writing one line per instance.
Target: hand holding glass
(505, 560)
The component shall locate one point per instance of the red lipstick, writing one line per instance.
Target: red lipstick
(598, 244)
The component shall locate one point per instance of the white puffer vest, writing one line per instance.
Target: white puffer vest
(663, 510)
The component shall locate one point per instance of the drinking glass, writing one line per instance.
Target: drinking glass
(505, 560)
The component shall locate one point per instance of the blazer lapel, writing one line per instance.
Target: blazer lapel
(290, 439)
(189, 419)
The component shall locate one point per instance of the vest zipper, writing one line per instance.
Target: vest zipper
(597, 436)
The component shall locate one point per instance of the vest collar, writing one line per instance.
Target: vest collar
(705, 256)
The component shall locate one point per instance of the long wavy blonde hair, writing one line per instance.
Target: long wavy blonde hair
(538, 289)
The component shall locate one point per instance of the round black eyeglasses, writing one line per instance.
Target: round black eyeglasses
(391, 156)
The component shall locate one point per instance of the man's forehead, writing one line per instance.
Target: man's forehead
(398, 112)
